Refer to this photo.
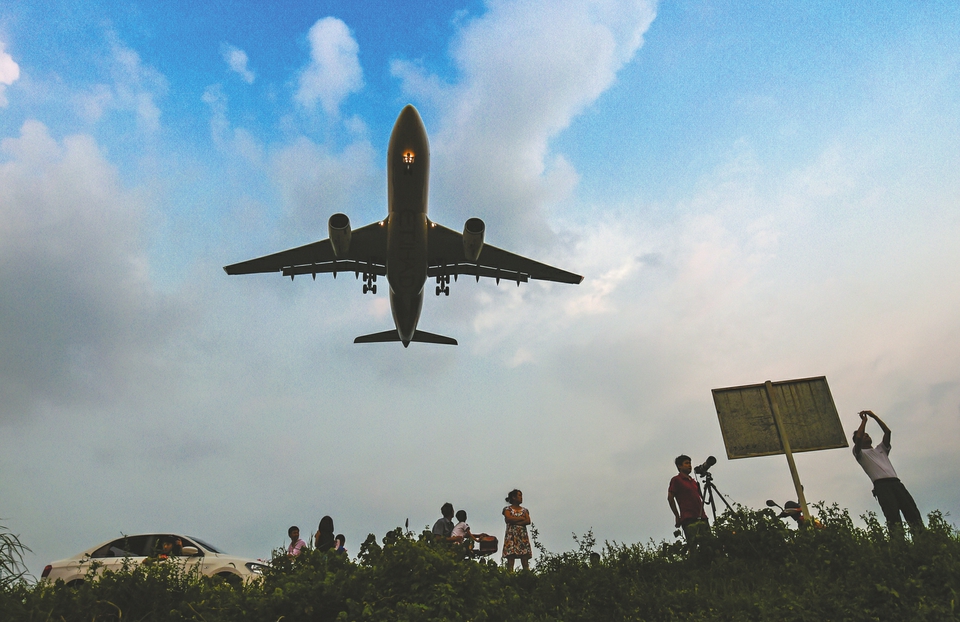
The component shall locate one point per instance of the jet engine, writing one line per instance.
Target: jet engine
(339, 229)
(473, 238)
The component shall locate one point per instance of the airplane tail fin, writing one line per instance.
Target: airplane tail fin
(418, 335)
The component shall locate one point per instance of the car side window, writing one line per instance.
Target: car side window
(127, 546)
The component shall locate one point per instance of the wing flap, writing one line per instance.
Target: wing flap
(477, 270)
(338, 265)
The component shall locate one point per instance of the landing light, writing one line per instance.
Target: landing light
(408, 157)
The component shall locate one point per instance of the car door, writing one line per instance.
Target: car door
(190, 555)
(128, 551)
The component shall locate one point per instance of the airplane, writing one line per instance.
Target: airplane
(406, 246)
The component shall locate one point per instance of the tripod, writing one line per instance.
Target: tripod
(708, 489)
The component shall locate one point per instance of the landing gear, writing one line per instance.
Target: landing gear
(369, 279)
(443, 285)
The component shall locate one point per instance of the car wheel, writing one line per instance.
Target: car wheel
(229, 578)
(75, 583)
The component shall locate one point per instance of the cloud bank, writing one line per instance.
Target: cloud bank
(78, 305)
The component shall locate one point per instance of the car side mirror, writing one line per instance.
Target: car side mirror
(189, 551)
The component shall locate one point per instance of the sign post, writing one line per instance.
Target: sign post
(779, 418)
(785, 443)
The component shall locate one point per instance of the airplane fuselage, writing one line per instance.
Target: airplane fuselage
(408, 180)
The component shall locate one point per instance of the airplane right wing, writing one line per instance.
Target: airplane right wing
(367, 253)
(446, 257)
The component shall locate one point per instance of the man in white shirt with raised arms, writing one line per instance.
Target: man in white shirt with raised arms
(887, 487)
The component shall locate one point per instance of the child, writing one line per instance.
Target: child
(461, 531)
(516, 542)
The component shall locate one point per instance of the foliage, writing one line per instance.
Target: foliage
(12, 570)
(751, 567)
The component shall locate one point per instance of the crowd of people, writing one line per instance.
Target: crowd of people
(516, 541)
(323, 539)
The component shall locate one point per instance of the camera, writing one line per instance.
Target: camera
(704, 468)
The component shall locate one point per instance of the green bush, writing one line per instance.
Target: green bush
(750, 567)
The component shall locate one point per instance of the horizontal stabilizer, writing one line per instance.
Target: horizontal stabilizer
(387, 335)
(425, 337)
(393, 335)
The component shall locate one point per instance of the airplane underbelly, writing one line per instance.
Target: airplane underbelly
(407, 268)
(407, 253)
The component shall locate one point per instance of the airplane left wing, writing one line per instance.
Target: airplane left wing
(367, 253)
(446, 257)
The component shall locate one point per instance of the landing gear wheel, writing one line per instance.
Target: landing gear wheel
(443, 280)
(369, 278)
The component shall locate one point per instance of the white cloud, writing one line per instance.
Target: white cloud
(9, 73)
(526, 70)
(237, 61)
(334, 71)
(134, 88)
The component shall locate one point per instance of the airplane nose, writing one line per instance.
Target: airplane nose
(410, 113)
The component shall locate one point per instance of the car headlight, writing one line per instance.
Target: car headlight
(255, 568)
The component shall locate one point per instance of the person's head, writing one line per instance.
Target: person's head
(864, 439)
(341, 539)
(326, 525)
(514, 497)
(462, 516)
(166, 545)
(446, 510)
(683, 464)
(294, 533)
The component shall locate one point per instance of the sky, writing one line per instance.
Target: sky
(752, 192)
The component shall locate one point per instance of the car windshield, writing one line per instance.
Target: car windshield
(207, 545)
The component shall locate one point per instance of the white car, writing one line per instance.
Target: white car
(134, 550)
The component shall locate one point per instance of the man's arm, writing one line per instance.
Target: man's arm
(883, 426)
(673, 507)
(858, 435)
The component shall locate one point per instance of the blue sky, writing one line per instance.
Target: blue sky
(751, 192)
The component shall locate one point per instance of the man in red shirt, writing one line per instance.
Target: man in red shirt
(685, 492)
